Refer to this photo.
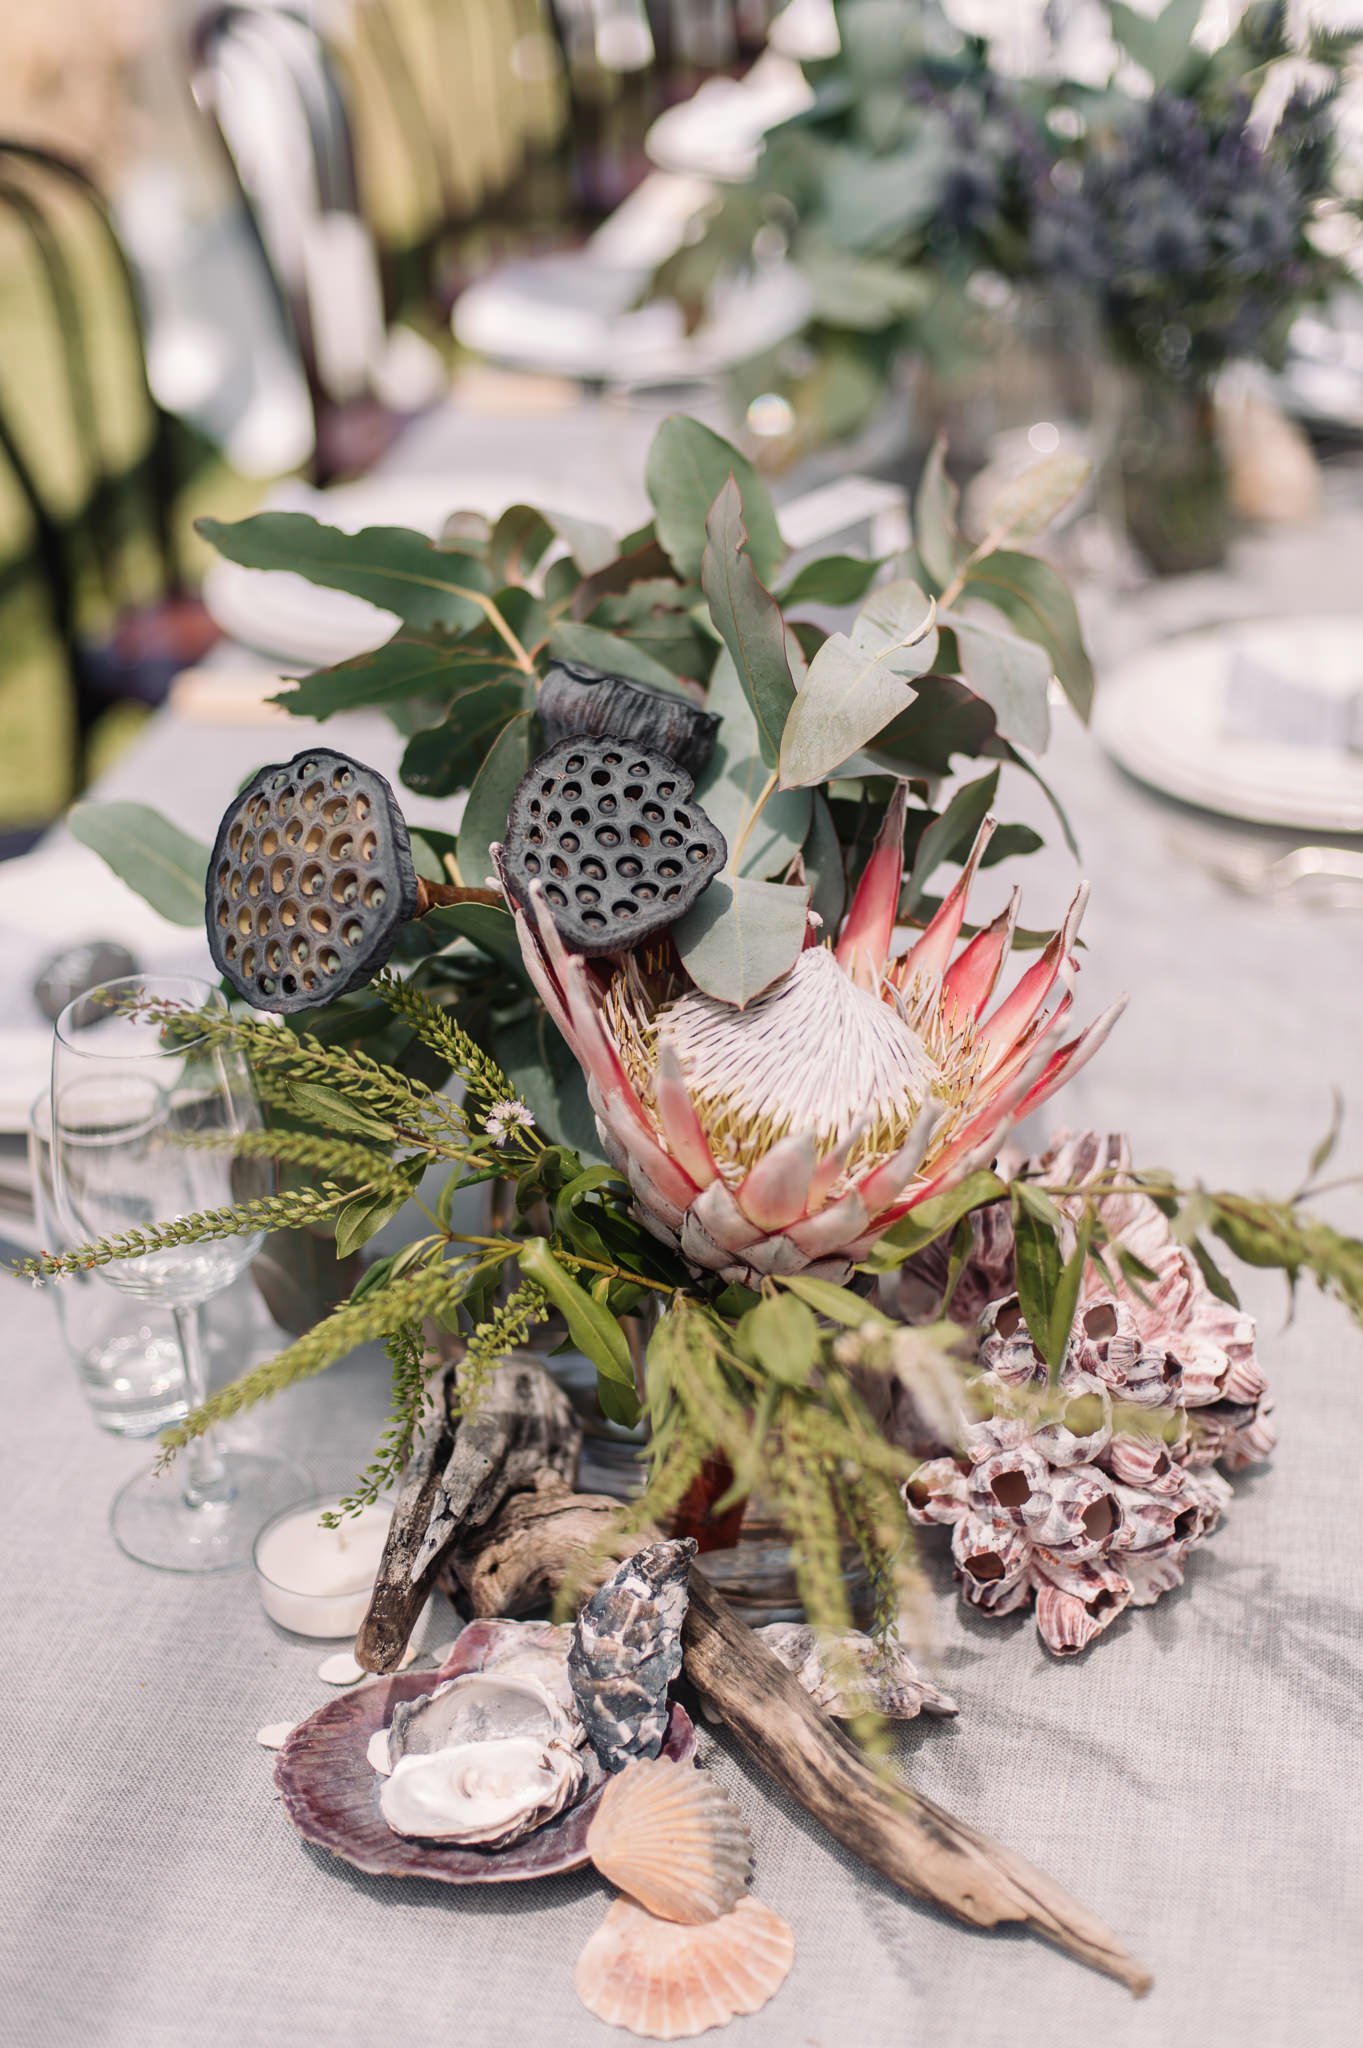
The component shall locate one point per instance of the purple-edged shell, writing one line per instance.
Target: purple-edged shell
(331, 1793)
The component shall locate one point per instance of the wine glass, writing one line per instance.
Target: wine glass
(131, 1095)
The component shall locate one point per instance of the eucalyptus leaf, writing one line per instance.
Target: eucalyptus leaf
(1011, 675)
(489, 799)
(748, 619)
(741, 937)
(520, 540)
(407, 666)
(389, 566)
(1162, 44)
(824, 868)
(944, 719)
(485, 925)
(161, 863)
(1025, 507)
(1038, 603)
(734, 778)
(571, 640)
(687, 467)
(832, 579)
(939, 545)
(590, 544)
(858, 683)
(443, 759)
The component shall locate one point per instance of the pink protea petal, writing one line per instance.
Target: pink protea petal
(927, 959)
(831, 1166)
(883, 1187)
(864, 944)
(970, 980)
(723, 1220)
(1040, 1031)
(677, 1115)
(776, 1191)
(999, 1033)
(777, 1255)
(832, 1229)
(1065, 1063)
(700, 1248)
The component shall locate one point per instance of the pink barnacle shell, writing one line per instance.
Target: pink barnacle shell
(1082, 1517)
(1111, 1348)
(1152, 1572)
(992, 1557)
(1014, 1483)
(1006, 1347)
(1135, 1459)
(1001, 1432)
(1253, 1441)
(1078, 1435)
(936, 1492)
(1151, 1521)
(1075, 1603)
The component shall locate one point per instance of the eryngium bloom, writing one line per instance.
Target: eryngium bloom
(791, 1134)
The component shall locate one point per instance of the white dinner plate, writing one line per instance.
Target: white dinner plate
(1259, 720)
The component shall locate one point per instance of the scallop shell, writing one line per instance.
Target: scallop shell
(669, 1982)
(672, 1838)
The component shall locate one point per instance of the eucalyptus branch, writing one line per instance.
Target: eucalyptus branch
(271, 1212)
(426, 1292)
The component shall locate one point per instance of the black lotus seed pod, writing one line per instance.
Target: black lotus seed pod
(310, 882)
(612, 831)
(574, 699)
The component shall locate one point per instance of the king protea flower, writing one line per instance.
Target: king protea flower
(791, 1134)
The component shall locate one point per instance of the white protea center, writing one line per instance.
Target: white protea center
(814, 1055)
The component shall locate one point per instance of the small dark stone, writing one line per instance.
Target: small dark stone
(627, 1649)
(577, 700)
(612, 832)
(310, 882)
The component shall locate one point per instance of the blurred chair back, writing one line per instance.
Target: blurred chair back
(268, 81)
(90, 458)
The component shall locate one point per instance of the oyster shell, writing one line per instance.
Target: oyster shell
(671, 1837)
(848, 1674)
(477, 1706)
(488, 1793)
(627, 1650)
(669, 1982)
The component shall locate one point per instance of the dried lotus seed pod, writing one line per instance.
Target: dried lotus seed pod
(310, 881)
(611, 831)
(588, 701)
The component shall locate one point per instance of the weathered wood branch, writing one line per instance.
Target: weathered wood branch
(518, 1561)
(522, 1431)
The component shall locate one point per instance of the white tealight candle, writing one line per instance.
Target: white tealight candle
(317, 1581)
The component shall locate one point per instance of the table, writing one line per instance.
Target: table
(1196, 1777)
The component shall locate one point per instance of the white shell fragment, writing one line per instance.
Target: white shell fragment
(669, 1982)
(377, 1752)
(274, 1734)
(671, 1837)
(340, 1669)
(847, 1673)
(487, 1793)
(627, 1650)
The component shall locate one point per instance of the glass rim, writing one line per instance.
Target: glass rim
(212, 999)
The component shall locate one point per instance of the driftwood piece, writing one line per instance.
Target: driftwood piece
(523, 1429)
(518, 1564)
(518, 1561)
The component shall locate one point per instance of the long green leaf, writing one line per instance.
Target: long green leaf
(489, 800)
(592, 1328)
(734, 777)
(1037, 1267)
(939, 545)
(161, 863)
(409, 665)
(390, 566)
(930, 1220)
(686, 469)
(741, 937)
(443, 759)
(781, 1335)
(832, 579)
(748, 619)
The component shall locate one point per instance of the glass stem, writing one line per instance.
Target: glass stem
(205, 1473)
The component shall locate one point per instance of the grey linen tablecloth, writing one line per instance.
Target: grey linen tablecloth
(1196, 1777)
